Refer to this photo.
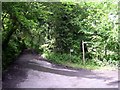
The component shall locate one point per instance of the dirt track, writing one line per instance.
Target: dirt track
(29, 72)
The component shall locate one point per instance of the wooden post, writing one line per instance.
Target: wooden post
(70, 57)
(71, 50)
(83, 52)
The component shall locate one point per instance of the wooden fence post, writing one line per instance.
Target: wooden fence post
(83, 52)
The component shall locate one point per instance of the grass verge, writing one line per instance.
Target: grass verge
(75, 61)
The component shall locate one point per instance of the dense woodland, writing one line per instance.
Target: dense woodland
(57, 30)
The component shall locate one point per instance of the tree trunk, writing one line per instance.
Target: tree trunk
(9, 34)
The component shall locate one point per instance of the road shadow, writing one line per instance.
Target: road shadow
(13, 76)
(18, 72)
(82, 73)
(114, 82)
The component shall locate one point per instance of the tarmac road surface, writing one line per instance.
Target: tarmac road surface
(32, 71)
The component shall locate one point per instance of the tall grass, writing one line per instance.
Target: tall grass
(76, 61)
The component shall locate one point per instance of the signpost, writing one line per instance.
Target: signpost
(71, 50)
(83, 49)
(83, 52)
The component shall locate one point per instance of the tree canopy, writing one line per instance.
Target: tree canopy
(58, 27)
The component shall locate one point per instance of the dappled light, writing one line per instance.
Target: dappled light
(26, 70)
(63, 41)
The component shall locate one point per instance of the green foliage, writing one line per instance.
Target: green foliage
(76, 62)
(63, 57)
(70, 60)
(10, 54)
(60, 26)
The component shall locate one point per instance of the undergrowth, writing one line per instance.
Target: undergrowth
(76, 61)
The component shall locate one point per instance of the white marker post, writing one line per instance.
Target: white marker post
(83, 49)
(83, 52)
(71, 50)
